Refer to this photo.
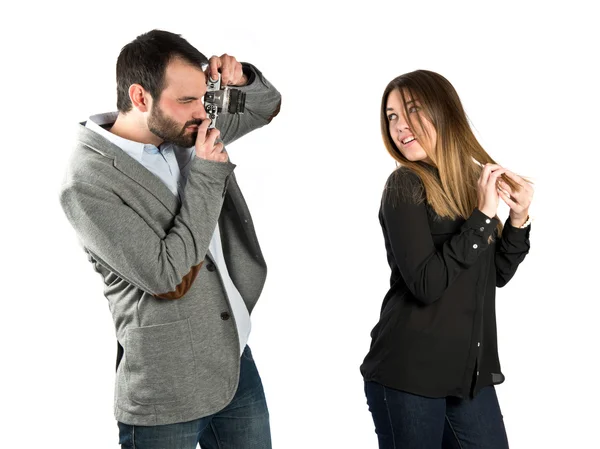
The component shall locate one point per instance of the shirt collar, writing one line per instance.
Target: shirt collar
(98, 122)
(134, 149)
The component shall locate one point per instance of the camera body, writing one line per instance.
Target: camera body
(222, 99)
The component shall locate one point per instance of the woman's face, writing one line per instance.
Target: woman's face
(410, 142)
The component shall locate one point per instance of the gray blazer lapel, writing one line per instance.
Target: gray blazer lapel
(130, 168)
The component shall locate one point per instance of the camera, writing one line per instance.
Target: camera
(222, 99)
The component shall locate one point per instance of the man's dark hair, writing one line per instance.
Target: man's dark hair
(144, 61)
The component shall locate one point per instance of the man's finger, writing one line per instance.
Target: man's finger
(226, 75)
(218, 148)
(201, 137)
(238, 73)
(212, 136)
(213, 69)
(224, 68)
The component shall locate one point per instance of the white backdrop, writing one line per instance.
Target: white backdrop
(528, 76)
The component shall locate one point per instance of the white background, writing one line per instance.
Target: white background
(528, 76)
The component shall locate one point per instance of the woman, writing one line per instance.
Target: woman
(433, 361)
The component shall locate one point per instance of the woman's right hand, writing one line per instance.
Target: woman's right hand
(487, 189)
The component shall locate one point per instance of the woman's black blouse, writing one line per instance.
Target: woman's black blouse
(436, 334)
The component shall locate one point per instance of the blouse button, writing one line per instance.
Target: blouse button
(487, 220)
(475, 246)
(482, 229)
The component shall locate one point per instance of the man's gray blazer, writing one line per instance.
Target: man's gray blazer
(171, 312)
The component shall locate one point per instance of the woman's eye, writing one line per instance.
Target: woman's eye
(392, 117)
(414, 109)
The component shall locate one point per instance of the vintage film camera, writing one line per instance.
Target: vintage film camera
(222, 99)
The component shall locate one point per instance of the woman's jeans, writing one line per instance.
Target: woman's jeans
(407, 421)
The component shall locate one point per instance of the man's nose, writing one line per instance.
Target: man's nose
(200, 112)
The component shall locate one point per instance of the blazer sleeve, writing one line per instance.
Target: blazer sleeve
(427, 271)
(262, 105)
(114, 233)
(511, 250)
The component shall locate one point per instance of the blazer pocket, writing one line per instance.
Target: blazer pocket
(160, 363)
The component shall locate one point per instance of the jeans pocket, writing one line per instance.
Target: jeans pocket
(160, 363)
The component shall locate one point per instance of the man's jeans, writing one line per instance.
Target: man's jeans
(243, 424)
(407, 421)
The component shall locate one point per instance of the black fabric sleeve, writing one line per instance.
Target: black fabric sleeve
(511, 249)
(427, 271)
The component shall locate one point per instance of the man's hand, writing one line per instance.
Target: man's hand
(206, 148)
(230, 68)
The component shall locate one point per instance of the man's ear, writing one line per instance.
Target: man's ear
(140, 98)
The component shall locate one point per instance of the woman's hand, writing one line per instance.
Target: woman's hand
(518, 200)
(487, 191)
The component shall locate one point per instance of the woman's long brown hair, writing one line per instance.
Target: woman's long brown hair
(456, 153)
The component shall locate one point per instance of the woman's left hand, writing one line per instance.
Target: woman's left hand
(518, 201)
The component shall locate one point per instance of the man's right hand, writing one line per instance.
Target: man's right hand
(206, 148)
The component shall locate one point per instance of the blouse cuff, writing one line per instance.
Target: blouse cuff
(483, 228)
(483, 225)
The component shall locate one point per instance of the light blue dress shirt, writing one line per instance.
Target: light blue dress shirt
(170, 164)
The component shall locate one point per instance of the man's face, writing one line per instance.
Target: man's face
(176, 115)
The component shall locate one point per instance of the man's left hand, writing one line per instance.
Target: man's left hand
(230, 68)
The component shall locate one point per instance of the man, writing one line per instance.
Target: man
(152, 196)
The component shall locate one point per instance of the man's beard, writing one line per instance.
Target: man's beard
(169, 130)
